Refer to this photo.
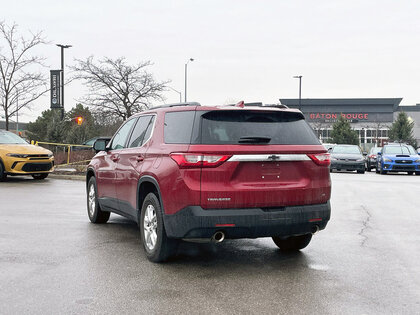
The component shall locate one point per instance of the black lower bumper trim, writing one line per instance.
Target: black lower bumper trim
(196, 222)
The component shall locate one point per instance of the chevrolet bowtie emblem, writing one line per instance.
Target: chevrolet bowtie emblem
(274, 157)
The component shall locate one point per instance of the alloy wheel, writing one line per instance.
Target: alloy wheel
(150, 227)
(92, 200)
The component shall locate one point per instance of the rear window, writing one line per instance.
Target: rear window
(252, 127)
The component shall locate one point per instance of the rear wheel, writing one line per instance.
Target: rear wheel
(96, 215)
(361, 172)
(40, 176)
(156, 244)
(292, 243)
(3, 175)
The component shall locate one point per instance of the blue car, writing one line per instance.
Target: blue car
(398, 157)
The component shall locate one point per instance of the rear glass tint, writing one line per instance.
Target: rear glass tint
(252, 127)
(178, 126)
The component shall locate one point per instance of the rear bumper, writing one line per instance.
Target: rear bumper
(195, 222)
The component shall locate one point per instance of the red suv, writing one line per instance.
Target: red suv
(190, 172)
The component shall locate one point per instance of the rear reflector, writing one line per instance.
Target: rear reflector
(185, 160)
(315, 220)
(322, 159)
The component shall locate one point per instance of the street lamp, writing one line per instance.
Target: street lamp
(62, 77)
(185, 91)
(300, 89)
(180, 94)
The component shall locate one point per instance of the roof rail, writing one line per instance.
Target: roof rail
(177, 104)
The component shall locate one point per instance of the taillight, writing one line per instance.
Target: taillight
(185, 160)
(322, 159)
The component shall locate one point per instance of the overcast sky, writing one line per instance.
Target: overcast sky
(243, 50)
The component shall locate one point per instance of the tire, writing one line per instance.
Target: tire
(360, 172)
(292, 243)
(157, 246)
(383, 172)
(3, 175)
(40, 176)
(410, 173)
(95, 214)
(368, 169)
(417, 173)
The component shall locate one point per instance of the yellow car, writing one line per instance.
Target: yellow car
(17, 157)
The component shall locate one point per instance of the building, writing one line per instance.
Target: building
(369, 117)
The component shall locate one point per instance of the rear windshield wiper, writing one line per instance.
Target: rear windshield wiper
(254, 140)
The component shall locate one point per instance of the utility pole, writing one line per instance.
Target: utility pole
(62, 77)
(300, 90)
(185, 91)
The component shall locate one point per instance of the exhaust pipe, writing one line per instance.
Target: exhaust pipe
(218, 237)
(315, 229)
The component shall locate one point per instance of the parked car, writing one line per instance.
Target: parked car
(17, 157)
(347, 157)
(88, 143)
(398, 157)
(371, 158)
(191, 172)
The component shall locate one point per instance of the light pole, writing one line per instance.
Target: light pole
(62, 77)
(180, 94)
(185, 91)
(300, 89)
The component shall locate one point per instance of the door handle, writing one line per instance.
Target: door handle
(140, 158)
(115, 158)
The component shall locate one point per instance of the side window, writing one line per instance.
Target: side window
(178, 127)
(121, 136)
(139, 131)
(149, 130)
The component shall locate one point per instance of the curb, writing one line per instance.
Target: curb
(69, 177)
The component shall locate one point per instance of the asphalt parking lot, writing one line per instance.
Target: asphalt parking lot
(52, 260)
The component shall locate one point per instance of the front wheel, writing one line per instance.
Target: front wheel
(361, 172)
(292, 243)
(410, 173)
(3, 175)
(96, 215)
(40, 176)
(156, 244)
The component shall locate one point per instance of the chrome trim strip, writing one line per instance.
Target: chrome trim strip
(268, 158)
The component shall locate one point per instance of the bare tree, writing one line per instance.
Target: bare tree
(20, 84)
(117, 88)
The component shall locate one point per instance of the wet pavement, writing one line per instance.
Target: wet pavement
(367, 261)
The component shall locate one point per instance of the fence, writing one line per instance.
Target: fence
(68, 154)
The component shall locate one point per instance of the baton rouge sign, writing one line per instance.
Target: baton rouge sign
(335, 116)
(55, 88)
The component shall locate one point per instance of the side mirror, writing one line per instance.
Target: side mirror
(330, 149)
(100, 144)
